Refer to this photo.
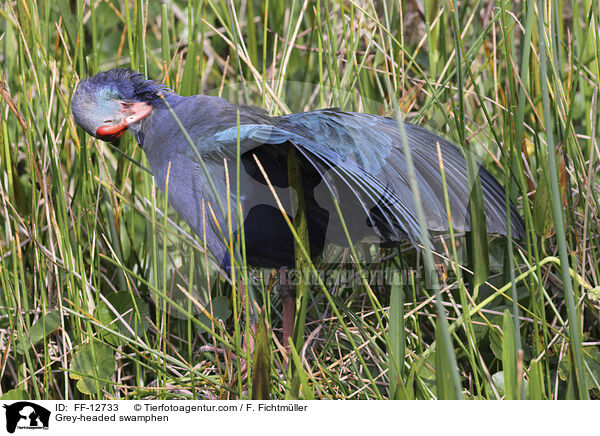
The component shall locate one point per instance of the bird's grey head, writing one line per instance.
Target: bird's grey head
(106, 104)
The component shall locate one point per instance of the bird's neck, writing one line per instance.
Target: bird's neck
(139, 129)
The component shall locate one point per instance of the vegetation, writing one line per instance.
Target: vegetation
(105, 293)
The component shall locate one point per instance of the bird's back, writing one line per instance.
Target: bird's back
(357, 157)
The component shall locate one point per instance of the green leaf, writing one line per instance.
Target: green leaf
(478, 236)
(261, 359)
(123, 304)
(592, 360)
(571, 386)
(405, 391)
(69, 20)
(480, 330)
(509, 358)
(443, 370)
(498, 380)
(542, 213)
(164, 34)
(495, 342)
(220, 311)
(39, 330)
(396, 338)
(425, 372)
(299, 377)
(190, 71)
(92, 366)
(591, 355)
(536, 381)
(15, 394)
(592, 367)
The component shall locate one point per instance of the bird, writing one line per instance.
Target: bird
(355, 159)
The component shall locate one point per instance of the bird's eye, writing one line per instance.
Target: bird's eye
(107, 121)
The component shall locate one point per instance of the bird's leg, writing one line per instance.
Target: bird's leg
(287, 292)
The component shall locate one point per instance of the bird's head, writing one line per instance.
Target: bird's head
(107, 104)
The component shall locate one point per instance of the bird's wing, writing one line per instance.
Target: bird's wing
(362, 157)
(422, 141)
(375, 143)
(350, 181)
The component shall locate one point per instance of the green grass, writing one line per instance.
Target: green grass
(105, 292)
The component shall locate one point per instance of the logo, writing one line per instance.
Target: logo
(26, 415)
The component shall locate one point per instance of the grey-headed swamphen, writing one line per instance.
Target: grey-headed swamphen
(356, 158)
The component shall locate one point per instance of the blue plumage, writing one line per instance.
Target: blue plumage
(355, 157)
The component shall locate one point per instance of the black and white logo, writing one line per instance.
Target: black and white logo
(26, 415)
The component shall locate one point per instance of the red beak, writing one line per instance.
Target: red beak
(131, 113)
(112, 132)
